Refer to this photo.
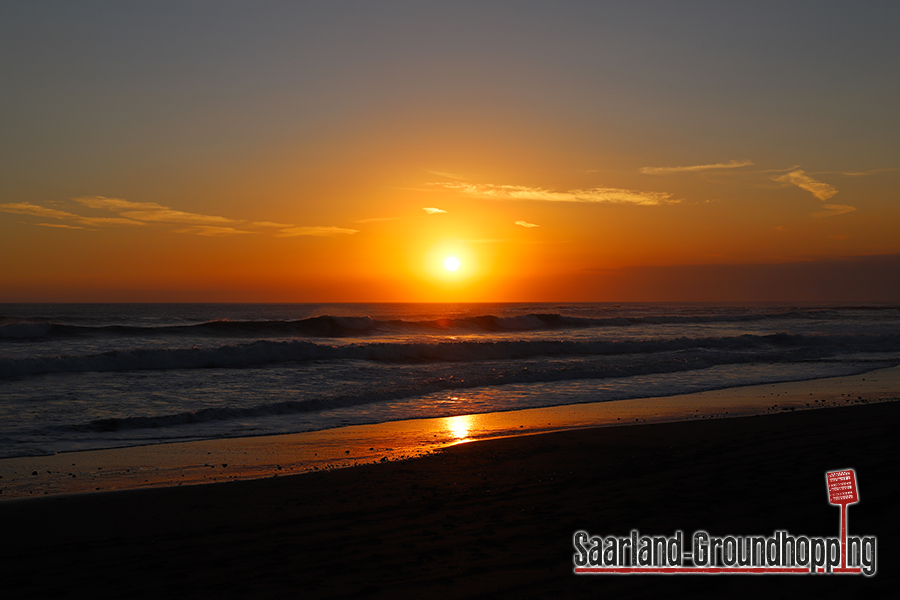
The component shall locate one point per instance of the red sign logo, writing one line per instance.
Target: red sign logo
(842, 487)
(842, 491)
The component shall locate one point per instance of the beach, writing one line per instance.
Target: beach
(489, 518)
(457, 300)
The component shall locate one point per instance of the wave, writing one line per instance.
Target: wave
(266, 352)
(651, 365)
(409, 389)
(327, 326)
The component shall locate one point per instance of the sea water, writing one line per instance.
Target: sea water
(90, 376)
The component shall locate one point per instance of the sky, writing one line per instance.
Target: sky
(341, 151)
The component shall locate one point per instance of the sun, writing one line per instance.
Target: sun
(452, 266)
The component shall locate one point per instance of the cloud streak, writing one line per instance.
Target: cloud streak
(820, 190)
(149, 211)
(526, 224)
(433, 211)
(27, 208)
(833, 210)
(271, 224)
(316, 231)
(152, 213)
(857, 173)
(592, 196)
(734, 164)
(211, 230)
(60, 226)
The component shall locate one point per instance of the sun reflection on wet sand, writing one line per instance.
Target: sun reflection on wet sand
(459, 427)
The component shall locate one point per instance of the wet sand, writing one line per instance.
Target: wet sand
(200, 462)
(486, 519)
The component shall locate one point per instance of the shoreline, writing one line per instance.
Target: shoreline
(476, 520)
(230, 459)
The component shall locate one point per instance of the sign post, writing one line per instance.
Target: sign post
(842, 491)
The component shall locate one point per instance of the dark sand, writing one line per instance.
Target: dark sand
(492, 518)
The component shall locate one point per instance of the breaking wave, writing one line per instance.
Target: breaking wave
(264, 352)
(327, 326)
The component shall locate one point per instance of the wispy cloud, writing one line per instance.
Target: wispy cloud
(271, 224)
(854, 173)
(149, 211)
(595, 195)
(316, 231)
(60, 226)
(734, 164)
(211, 230)
(433, 211)
(820, 190)
(152, 213)
(832, 210)
(526, 224)
(27, 208)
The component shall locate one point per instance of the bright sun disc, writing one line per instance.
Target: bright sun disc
(451, 264)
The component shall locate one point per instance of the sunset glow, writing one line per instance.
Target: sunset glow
(593, 152)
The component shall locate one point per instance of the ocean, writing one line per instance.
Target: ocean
(91, 376)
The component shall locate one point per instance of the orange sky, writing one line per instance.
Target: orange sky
(341, 152)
